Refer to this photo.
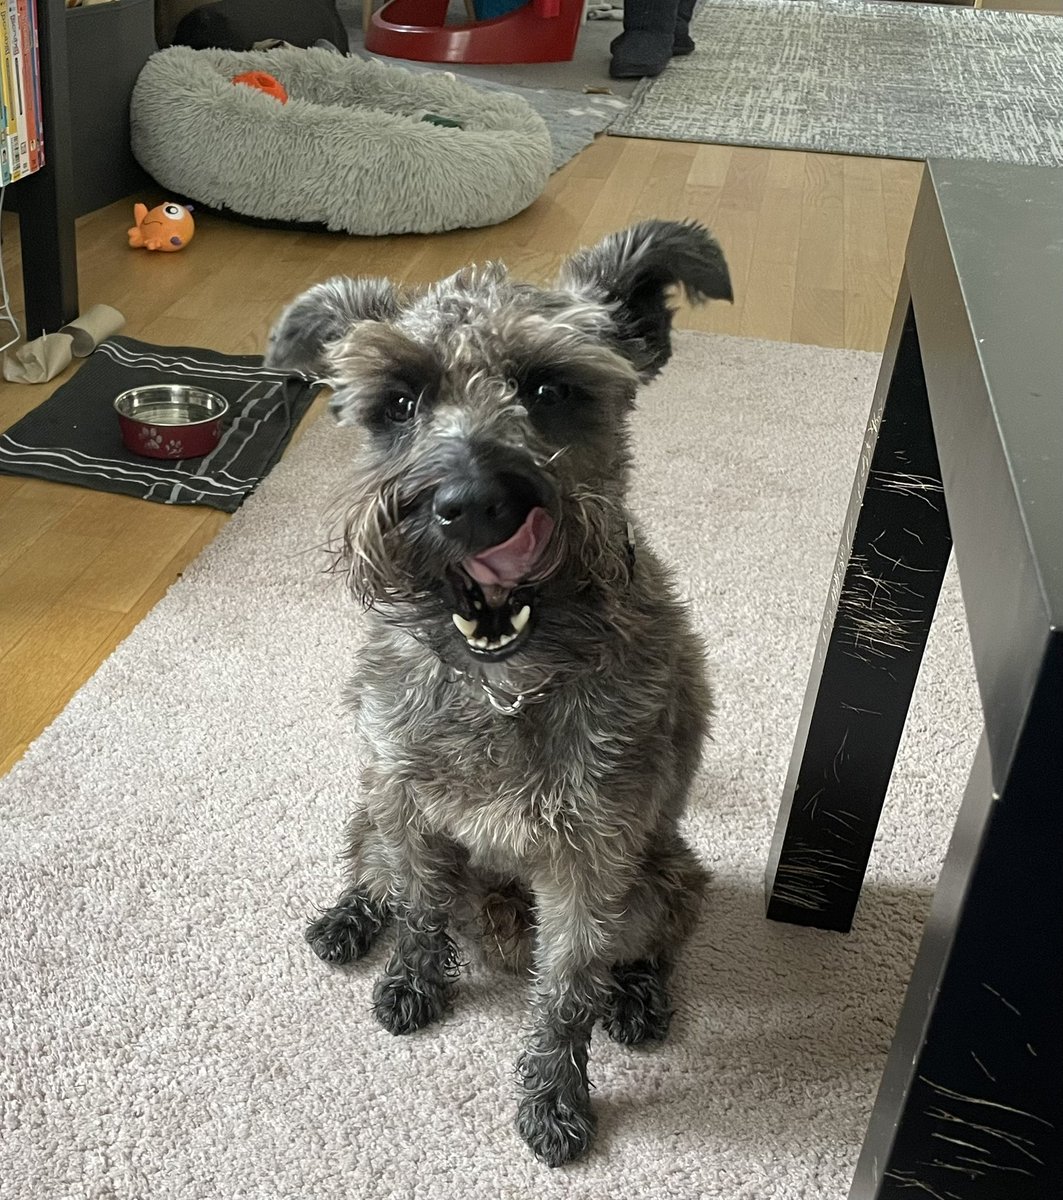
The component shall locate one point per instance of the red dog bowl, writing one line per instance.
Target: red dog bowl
(170, 420)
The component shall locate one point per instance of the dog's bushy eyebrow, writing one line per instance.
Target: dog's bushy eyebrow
(536, 321)
(373, 357)
(573, 344)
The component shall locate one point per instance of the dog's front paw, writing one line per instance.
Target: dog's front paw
(558, 1132)
(637, 1010)
(402, 1004)
(346, 931)
(633, 1023)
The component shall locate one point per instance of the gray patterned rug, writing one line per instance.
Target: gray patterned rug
(843, 76)
(168, 1035)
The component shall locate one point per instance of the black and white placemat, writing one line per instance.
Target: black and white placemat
(73, 437)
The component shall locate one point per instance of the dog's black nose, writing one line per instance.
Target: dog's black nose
(482, 509)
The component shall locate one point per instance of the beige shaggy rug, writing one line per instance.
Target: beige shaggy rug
(167, 1033)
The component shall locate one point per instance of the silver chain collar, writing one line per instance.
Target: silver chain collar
(509, 704)
(507, 710)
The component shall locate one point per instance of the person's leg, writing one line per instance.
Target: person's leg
(645, 46)
(682, 42)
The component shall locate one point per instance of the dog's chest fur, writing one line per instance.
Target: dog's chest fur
(502, 786)
(583, 760)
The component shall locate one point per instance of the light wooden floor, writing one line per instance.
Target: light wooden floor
(815, 245)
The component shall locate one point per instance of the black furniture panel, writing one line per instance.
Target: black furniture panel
(964, 444)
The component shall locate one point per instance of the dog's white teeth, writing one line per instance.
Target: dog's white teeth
(496, 645)
(467, 627)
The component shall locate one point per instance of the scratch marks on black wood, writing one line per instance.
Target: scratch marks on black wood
(811, 803)
(848, 821)
(839, 757)
(1018, 1143)
(950, 1094)
(1007, 1003)
(992, 1166)
(808, 873)
(993, 1136)
(908, 483)
(852, 516)
(908, 1181)
(960, 1142)
(899, 563)
(873, 622)
(970, 1172)
(985, 1070)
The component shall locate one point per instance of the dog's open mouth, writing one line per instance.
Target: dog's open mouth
(494, 622)
(494, 605)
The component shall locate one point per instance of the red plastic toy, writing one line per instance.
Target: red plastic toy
(540, 31)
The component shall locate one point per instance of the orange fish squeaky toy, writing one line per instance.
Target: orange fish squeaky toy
(167, 227)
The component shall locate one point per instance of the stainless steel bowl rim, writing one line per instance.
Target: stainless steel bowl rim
(212, 397)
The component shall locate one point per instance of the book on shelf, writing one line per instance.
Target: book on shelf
(28, 56)
(21, 143)
(5, 107)
(35, 85)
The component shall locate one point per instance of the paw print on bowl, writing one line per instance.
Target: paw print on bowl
(173, 446)
(151, 437)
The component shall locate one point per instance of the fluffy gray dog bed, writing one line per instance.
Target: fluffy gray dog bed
(347, 151)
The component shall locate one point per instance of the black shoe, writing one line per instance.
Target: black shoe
(639, 53)
(683, 45)
(642, 49)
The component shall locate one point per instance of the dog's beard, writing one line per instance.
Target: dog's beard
(548, 626)
(384, 549)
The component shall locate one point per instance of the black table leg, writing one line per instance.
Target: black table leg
(971, 1101)
(46, 198)
(892, 556)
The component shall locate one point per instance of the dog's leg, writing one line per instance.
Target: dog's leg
(638, 1010)
(578, 908)
(506, 924)
(427, 875)
(346, 931)
(663, 909)
(417, 983)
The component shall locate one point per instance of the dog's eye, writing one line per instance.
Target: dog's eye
(399, 407)
(549, 395)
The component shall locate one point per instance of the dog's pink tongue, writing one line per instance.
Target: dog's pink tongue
(512, 561)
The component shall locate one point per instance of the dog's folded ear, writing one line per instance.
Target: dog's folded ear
(635, 272)
(299, 339)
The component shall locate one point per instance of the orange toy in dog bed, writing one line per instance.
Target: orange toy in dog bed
(264, 83)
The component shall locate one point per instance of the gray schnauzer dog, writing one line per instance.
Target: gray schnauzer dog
(530, 697)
